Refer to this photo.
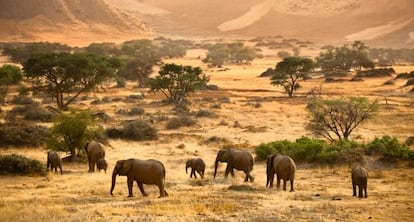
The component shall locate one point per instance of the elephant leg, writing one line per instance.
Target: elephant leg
(278, 182)
(60, 167)
(354, 189)
(89, 163)
(130, 183)
(232, 171)
(365, 191)
(163, 193)
(359, 191)
(193, 173)
(284, 185)
(141, 188)
(291, 185)
(272, 177)
(228, 169)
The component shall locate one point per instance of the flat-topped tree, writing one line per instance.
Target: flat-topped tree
(177, 81)
(65, 76)
(289, 71)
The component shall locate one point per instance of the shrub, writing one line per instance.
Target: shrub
(71, 131)
(389, 82)
(120, 82)
(316, 151)
(405, 75)
(177, 122)
(376, 72)
(390, 149)
(18, 133)
(137, 130)
(17, 164)
(204, 113)
(409, 141)
(136, 111)
(30, 112)
(409, 82)
(23, 100)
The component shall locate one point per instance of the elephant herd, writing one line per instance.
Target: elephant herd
(153, 172)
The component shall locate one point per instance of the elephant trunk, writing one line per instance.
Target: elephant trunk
(113, 182)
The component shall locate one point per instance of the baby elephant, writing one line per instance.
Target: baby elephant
(360, 179)
(196, 165)
(101, 164)
(54, 161)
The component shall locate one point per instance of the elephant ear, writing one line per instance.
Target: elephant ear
(125, 167)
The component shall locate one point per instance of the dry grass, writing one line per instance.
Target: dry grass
(322, 194)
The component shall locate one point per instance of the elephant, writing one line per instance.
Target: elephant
(360, 179)
(284, 167)
(196, 165)
(54, 161)
(101, 164)
(94, 151)
(143, 172)
(236, 159)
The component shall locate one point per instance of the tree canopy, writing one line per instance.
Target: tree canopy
(177, 81)
(139, 56)
(9, 75)
(337, 118)
(235, 53)
(289, 71)
(346, 57)
(20, 52)
(65, 76)
(70, 132)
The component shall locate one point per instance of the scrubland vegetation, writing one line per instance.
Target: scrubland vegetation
(176, 99)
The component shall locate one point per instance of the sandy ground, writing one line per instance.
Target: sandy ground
(322, 194)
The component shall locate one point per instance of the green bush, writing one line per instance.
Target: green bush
(17, 164)
(137, 130)
(310, 150)
(18, 134)
(390, 149)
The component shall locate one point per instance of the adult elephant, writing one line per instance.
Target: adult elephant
(284, 167)
(196, 165)
(54, 161)
(359, 178)
(235, 159)
(143, 172)
(95, 151)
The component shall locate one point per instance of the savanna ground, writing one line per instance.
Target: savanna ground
(256, 113)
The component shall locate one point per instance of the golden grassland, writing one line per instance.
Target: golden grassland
(322, 194)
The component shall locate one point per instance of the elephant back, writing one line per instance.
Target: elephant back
(359, 173)
(284, 166)
(95, 148)
(53, 158)
(241, 159)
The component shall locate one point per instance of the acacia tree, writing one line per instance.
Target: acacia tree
(289, 71)
(345, 57)
(139, 56)
(236, 53)
(9, 75)
(177, 81)
(337, 118)
(65, 76)
(70, 132)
